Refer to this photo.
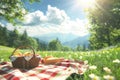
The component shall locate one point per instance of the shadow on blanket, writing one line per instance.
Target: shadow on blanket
(75, 76)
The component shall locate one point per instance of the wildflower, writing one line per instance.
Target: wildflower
(106, 69)
(108, 77)
(80, 57)
(94, 77)
(92, 67)
(1, 60)
(86, 62)
(70, 56)
(116, 61)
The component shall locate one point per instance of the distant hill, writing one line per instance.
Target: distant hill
(62, 37)
(70, 40)
(83, 40)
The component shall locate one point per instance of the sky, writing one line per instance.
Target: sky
(54, 16)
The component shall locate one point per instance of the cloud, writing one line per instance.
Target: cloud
(34, 18)
(55, 15)
(53, 21)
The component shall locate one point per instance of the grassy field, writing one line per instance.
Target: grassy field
(103, 64)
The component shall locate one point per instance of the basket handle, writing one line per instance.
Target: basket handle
(23, 47)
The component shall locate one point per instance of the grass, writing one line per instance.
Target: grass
(103, 64)
(5, 52)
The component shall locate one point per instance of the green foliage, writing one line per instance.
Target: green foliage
(13, 10)
(24, 38)
(33, 42)
(15, 39)
(66, 48)
(42, 46)
(3, 35)
(79, 48)
(55, 45)
(105, 22)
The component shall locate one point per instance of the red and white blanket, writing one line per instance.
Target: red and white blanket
(58, 71)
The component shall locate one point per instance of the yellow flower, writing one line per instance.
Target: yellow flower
(108, 77)
(94, 77)
(106, 69)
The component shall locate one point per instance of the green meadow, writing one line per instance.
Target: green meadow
(103, 64)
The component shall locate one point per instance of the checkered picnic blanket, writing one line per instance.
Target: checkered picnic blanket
(58, 71)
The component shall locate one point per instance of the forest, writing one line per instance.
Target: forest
(15, 39)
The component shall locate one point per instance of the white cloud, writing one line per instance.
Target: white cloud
(10, 26)
(76, 27)
(19, 28)
(55, 15)
(55, 20)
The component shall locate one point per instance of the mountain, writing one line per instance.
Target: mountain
(70, 40)
(82, 40)
(62, 37)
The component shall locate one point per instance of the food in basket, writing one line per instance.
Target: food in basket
(17, 54)
(27, 54)
(27, 60)
(51, 60)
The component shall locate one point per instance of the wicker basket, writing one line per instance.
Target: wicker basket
(21, 62)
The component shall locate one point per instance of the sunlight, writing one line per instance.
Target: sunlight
(86, 3)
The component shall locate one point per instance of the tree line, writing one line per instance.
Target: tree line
(15, 39)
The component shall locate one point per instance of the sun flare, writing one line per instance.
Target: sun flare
(86, 3)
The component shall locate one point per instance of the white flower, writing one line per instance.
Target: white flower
(106, 69)
(1, 60)
(94, 77)
(92, 67)
(80, 57)
(116, 61)
(108, 77)
(85, 62)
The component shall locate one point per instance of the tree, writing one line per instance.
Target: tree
(13, 38)
(55, 45)
(32, 42)
(3, 36)
(105, 22)
(79, 48)
(41, 45)
(13, 10)
(24, 39)
(66, 48)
